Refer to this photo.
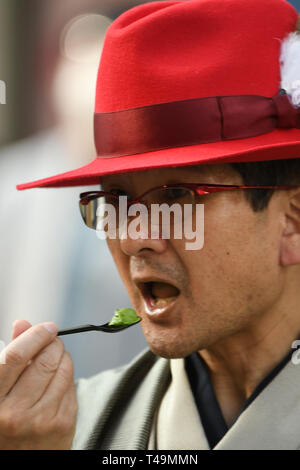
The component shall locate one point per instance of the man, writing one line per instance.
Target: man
(197, 103)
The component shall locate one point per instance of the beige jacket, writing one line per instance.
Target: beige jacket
(148, 404)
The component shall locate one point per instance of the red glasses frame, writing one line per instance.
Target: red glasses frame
(197, 188)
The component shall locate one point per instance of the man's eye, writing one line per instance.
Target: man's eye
(172, 194)
(119, 192)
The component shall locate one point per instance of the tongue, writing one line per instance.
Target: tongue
(162, 290)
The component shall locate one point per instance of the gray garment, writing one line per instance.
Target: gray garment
(117, 410)
(116, 407)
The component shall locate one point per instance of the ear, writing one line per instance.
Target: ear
(290, 240)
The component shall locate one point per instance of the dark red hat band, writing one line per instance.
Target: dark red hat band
(191, 122)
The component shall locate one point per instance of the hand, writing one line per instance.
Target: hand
(38, 404)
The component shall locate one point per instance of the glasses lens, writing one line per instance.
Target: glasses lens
(170, 196)
(167, 206)
(94, 209)
(166, 210)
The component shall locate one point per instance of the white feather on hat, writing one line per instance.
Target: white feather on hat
(290, 67)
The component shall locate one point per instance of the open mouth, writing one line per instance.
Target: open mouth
(158, 294)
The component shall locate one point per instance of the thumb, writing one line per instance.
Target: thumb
(19, 326)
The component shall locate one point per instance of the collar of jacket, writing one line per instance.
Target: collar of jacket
(270, 422)
(116, 407)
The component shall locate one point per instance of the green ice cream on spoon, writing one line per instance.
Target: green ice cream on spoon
(124, 316)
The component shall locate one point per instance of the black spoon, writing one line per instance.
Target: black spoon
(107, 328)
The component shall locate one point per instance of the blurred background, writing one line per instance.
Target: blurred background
(53, 268)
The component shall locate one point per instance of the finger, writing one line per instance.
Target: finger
(19, 326)
(62, 423)
(58, 387)
(67, 412)
(68, 406)
(33, 382)
(16, 355)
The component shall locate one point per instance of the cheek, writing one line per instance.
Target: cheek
(238, 266)
(236, 235)
(121, 260)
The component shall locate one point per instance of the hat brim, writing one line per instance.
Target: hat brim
(278, 144)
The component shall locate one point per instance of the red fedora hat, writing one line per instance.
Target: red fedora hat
(192, 82)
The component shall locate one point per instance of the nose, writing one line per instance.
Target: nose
(133, 246)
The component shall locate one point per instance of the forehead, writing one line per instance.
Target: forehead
(222, 174)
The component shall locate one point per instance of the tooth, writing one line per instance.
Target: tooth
(161, 302)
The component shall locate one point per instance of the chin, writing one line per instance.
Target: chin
(173, 350)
